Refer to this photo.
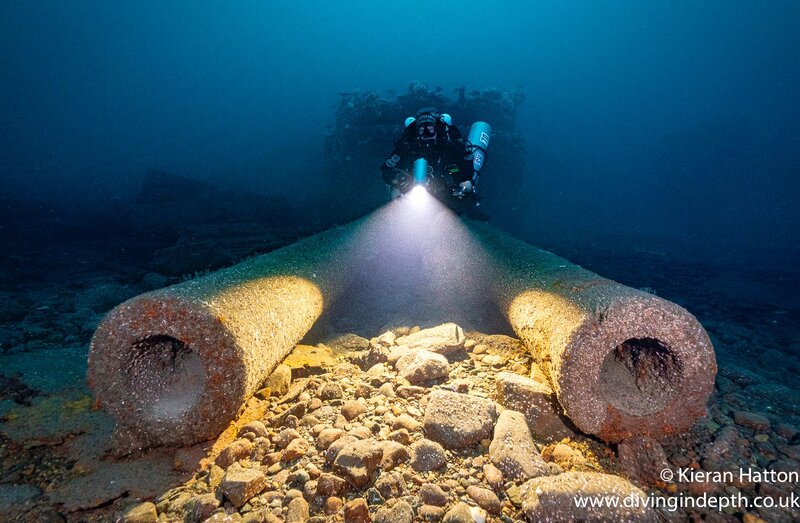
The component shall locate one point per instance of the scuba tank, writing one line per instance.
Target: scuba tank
(479, 135)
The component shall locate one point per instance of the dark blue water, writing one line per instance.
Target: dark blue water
(667, 118)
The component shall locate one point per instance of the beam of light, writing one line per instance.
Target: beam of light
(414, 262)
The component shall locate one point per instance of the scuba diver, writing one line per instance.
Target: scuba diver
(451, 163)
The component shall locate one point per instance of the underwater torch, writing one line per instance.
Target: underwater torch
(418, 192)
(420, 172)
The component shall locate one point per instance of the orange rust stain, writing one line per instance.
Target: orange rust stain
(216, 380)
(254, 410)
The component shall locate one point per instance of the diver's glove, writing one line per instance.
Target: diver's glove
(400, 179)
(463, 189)
(394, 193)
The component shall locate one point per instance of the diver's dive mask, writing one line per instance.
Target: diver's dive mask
(426, 127)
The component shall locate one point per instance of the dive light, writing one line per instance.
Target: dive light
(420, 171)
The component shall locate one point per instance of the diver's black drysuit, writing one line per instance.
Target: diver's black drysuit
(448, 154)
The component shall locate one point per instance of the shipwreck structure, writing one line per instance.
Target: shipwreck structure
(175, 365)
(367, 123)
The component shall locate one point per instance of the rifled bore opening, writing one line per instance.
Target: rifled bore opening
(640, 376)
(166, 378)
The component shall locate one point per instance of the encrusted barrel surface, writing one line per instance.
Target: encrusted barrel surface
(621, 361)
(174, 366)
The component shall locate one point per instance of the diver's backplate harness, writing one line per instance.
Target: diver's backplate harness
(433, 129)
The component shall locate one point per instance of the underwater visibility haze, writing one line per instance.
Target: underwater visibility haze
(210, 305)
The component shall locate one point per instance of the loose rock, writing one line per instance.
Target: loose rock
(493, 476)
(565, 456)
(331, 485)
(357, 461)
(241, 484)
(330, 391)
(337, 446)
(431, 513)
(297, 511)
(285, 437)
(427, 455)
(278, 382)
(400, 512)
(295, 449)
(751, 420)
(512, 449)
(394, 453)
(432, 494)
(552, 498)
(328, 436)
(357, 511)
(643, 459)
(404, 421)
(458, 420)
(459, 513)
(200, 508)
(536, 401)
(353, 409)
(447, 339)
(239, 449)
(485, 498)
(391, 485)
(422, 366)
(139, 513)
